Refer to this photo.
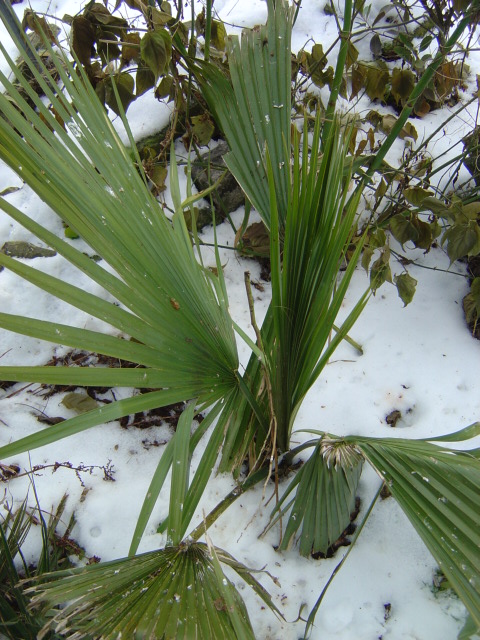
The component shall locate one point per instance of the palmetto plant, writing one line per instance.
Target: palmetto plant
(170, 315)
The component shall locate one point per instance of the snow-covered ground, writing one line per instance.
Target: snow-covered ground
(420, 360)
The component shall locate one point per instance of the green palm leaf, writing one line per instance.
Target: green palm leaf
(177, 592)
(438, 488)
(325, 495)
(253, 107)
(306, 291)
(158, 294)
(304, 203)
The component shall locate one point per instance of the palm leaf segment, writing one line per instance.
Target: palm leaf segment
(156, 291)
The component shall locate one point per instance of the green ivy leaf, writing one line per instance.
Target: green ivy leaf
(378, 239)
(475, 291)
(315, 63)
(381, 190)
(165, 88)
(424, 234)
(124, 83)
(145, 80)
(437, 207)
(471, 302)
(366, 257)
(406, 286)
(156, 51)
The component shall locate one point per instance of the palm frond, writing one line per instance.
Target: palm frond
(306, 290)
(324, 499)
(14, 618)
(177, 592)
(438, 488)
(253, 106)
(158, 294)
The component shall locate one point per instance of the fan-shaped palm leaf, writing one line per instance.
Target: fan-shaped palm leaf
(438, 488)
(326, 487)
(253, 107)
(156, 292)
(177, 592)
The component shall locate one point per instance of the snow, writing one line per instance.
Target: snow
(420, 360)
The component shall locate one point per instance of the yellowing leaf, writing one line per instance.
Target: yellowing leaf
(352, 54)
(79, 402)
(131, 47)
(471, 210)
(403, 83)
(416, 195)
(203, 128)
(359, 74)
(380, 271)
(218, 35)
(406, 287)
(376, 82)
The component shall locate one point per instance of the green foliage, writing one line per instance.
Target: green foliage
(471, 303)
(158, 594)
(156, 51)
(438, 488)
(157, 285)
(17, 620)
(162, 297)
(326, 487)
(253, 108)
(406, 286)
